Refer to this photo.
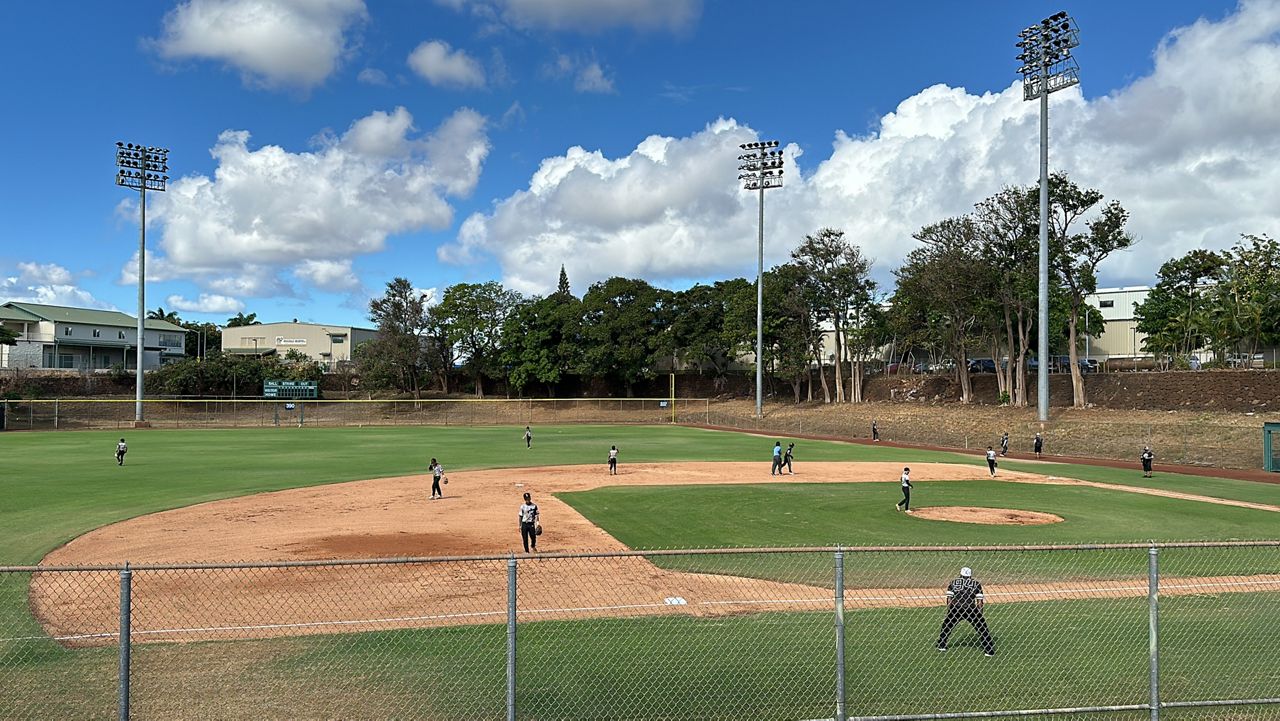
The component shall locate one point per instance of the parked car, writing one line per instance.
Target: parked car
(1088, 365)
(946, 365)
(982, 365)
(1245, 360)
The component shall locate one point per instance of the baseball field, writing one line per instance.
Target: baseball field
(701, 635)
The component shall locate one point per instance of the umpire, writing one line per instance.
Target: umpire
(964, 603)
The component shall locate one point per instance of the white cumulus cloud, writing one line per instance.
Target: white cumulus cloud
(330, 275)
(268, 211)
(273, 43)
(43, 274)
(206, 303)
(1187, 149)
(47, 284)
(592, 79)
(439, 64)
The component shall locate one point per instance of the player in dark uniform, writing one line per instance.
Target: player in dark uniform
(1039, 445)
(528, 437)
(1147, 458)
(875, 431)
(964, 603)
(1004, 444)
(613, 460)
(786, 458)
(776, 468)
(991, 461)
(437, 471)
(121, 449)
(906, 491)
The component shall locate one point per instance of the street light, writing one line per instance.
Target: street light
(760, 169)
(142, 168)
(1047, 67)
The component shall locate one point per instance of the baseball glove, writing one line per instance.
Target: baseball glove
(537, 530)
(445, 480)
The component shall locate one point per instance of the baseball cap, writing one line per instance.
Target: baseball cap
(966, 572)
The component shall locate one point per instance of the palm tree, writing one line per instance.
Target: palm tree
(242, 320)
(160, 314)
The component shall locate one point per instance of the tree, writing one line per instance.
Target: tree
(541, 340)
(622, 328)
(241, 320)
(1008, 224)
(838, 271)
(200, 333)
(7, 336)
(475, 314)
(397, 356)
(1247, 295)
(160, 314)
(1175, 315)
(562, 288)
(706, 331)
(1075, 256)
(792, 336)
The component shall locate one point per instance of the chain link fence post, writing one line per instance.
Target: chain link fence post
(1153, 628)
(511, 638)
(840, 697)
(126, 608)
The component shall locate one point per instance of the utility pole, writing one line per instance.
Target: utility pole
(760, 169)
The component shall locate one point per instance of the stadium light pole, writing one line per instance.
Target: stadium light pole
(1047, 67)
(760, 169)
(142, 168)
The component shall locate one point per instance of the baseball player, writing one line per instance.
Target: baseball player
(786, 458)
(529, 524)
(1039, 445)
(776, 469)
(1004, 444)
(121, 449)
(613, 460)
(437, 472)
(964, 603)
(991, 461)
(906, 491)
(1147, 458)
(875, 432)
(528, 437)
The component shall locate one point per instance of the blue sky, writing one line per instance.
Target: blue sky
(468, 140)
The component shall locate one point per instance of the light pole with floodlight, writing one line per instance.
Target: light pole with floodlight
(1047, 67)
(760, 169)
(143, 168)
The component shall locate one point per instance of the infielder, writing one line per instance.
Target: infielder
(964, 603)
(121, 449)
(991, 461)
(906, 491)
(528, 437)
(437, 472)
(613, 460)
(776, 468)
(786, 459)
(529, 524)
(1147, 458)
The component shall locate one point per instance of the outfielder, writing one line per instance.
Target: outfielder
(964, 603)
(528, 437)
(121, 449)
(1147, 458)
(906, 491)
(1039, 445)
(1004, 444)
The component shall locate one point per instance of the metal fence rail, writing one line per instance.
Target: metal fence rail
(1184, 630)
(86, 413)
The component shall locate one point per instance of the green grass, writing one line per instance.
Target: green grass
(765, 666)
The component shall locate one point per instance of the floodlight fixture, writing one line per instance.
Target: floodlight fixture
(759, 170)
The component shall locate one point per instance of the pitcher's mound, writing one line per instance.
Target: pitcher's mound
(990, 516)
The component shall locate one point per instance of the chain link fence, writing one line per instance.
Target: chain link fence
(76, 413)
(1106, 631)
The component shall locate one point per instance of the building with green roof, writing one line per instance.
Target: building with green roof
(55, 336)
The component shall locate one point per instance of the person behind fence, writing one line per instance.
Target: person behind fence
(121, 449)
(786, 458)
(437, 471)
(1147, 458)
(776, 468)
(529, 524)
(875, 431)
(1004, 444)
(906, 491)
(613, 460)
(964, 603)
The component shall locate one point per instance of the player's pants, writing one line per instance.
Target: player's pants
(875, 434)
(529, 536)
(972, 615)
(528, 441)
(991, 465)
(1146, 466)
(613, 466)
(906, 498)
(777, 465)
(120, 458)
(787, 463)
(435, 488)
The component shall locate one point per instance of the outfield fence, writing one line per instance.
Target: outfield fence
(86, 413)
(1128, 631)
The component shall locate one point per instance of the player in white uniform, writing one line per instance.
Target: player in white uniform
(121, 449)
(991, 461)
(906, 491)
(613, 460)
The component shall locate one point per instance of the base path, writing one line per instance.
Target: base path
(393, 517)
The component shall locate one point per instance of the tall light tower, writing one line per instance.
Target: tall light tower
(1047, 67)
(143, 168)
(760, 169)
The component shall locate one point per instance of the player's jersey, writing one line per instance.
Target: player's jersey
(991, 455)
(964, 591)
(437, 470)
(777, 451)
(528, 512)
(121, 448)
(1148, 455)
(613, 454)
(906, 480)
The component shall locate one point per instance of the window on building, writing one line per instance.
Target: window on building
(338, 338)
(97, 333)
(1106, 304)
(170, 340)
(66, 331)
